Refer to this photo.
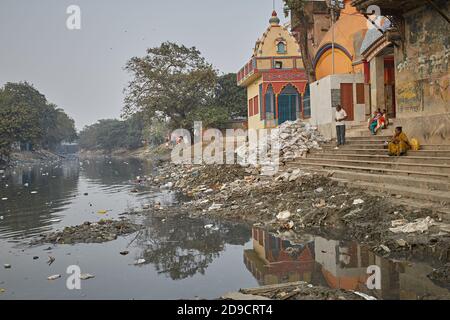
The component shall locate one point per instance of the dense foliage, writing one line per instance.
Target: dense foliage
(27, 117)
(177, 85)
(113, 134)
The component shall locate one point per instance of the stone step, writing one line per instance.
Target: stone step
(412, 167)
(378, 157)
(370, 169)
(351, 150)
(436, 196)
(355, 133)
(423, 183)
(381, 145)
(365, 141)
(369, 138)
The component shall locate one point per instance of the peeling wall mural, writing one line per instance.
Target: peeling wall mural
(422, 64)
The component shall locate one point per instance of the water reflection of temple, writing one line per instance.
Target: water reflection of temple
(335, 264)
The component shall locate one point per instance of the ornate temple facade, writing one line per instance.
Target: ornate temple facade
(275, 79)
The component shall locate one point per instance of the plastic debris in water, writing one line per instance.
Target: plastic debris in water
(102, 211)
(86, 276)
(54, 277)
(139, 261)
(358, 201)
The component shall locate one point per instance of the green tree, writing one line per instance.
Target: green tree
(230, 97)
(26, 116)
(171, 82)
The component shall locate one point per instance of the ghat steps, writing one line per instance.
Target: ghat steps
(364, 162)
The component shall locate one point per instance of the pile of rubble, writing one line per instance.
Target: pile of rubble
(88, 232)
(291, 140)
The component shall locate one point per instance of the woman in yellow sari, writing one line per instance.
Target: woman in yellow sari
(399, 144)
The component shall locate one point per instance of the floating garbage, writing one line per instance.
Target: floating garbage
(7, 266)
(55, 220)
(54, 277)
(33, 192)
(124, 253)
(4, 199)
(319, 190)
(86, 276)
(358, 201)
(208, 226)
(102, 211)
(139, 261)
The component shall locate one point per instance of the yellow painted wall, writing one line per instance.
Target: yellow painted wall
(342, 64)
(268, 44)
(254, 122)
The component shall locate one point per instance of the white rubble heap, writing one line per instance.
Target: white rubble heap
(291, 140)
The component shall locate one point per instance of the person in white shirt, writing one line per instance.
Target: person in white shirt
(340, 118)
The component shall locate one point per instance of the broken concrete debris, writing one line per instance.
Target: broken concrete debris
(292, 140)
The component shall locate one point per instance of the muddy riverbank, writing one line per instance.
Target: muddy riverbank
(295, 202)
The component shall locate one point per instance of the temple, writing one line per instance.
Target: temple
(275, 79)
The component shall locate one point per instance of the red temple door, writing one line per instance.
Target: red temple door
(347, 100)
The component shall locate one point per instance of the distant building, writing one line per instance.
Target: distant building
(275, 79)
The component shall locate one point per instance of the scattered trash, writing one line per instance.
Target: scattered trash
(4, 199)
(284, 215)
(209, 226)
(134, 191)
(1, 218)
(215, 206)
(124, 253)
(320, 204)
(85, 194)
(358, 201)
(55, 220)
(139, 261)
(35, 257)
(86, 276)
(146, 206)
(401, 242)
(33, 192)
(50, 260)
(365, 296)
(102, 211)
(399, 222)
(385, 248)
(420, 225)
(7, 266)
(54, 277)
(288, 226)
(319, 190)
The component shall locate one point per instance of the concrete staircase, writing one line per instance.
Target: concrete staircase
(420, 175)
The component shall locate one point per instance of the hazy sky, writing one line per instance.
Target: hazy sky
(82, 70)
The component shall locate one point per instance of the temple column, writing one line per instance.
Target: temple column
(377, 83)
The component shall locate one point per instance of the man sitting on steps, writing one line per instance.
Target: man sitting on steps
(340, 118)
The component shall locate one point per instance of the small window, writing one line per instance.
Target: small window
(278, 65)
(281, 47)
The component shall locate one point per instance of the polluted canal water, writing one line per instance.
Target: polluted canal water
(172, 258)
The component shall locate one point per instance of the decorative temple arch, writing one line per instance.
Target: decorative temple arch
(329, 46)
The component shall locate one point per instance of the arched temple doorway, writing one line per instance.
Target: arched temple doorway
(288, 104)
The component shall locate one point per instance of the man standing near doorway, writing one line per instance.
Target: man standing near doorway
(340, 118)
